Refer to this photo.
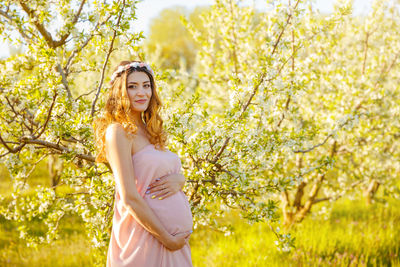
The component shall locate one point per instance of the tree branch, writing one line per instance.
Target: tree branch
(64, 80)
(31, 13)
(365, 52)
(336, 197)
(76, 51)
(41, 28)
(260, 81)
(315, 189)
(110, 49)
(10, 150)
(20, 30)
(214, 160)
(323, 142)
(74, 21)
(29, 140)
(48, 117)
(386, 71)
(283, 30)
(291, 82)
(235, 59)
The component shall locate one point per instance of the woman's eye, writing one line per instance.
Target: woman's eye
(134, 86)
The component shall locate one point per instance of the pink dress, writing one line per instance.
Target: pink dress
(132, 245)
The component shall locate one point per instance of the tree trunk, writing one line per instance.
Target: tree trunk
(288, 215)
(296, 212)
(370, 191)
(55, 167)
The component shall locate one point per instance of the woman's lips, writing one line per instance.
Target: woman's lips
(141, 101)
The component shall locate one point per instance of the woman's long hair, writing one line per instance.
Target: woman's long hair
(118, 110)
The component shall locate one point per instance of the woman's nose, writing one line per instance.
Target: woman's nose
(141, 91)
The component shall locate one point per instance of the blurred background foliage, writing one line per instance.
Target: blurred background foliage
(312, 160)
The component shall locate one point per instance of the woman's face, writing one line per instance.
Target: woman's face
(139, 88)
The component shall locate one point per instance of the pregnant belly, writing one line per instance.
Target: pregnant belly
(174, 212)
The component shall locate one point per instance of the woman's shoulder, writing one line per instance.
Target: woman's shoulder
(114, 127)
(116, 132)
(116, 141)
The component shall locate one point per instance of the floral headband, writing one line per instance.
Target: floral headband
(127, 67)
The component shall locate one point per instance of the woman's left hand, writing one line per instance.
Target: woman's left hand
(166, 186)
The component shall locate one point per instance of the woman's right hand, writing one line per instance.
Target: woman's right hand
(177, 241)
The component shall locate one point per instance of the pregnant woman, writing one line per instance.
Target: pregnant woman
(152, 218)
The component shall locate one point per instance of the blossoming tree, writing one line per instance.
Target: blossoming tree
(300, 91)
(276, 103)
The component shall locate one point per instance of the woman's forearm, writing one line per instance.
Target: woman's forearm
(145, 216)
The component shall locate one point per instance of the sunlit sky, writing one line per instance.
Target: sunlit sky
(149, 9)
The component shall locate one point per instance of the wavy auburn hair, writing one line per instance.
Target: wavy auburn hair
(118, 110)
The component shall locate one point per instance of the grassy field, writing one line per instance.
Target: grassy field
(354, 235)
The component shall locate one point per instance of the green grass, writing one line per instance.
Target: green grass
(354, 235)
(73, 249)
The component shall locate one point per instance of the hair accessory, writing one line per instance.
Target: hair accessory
(127, 67)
